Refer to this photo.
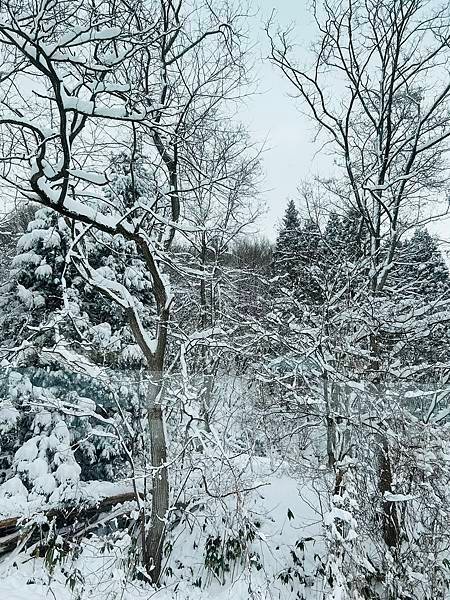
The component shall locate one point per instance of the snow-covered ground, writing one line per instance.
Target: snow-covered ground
(288, 535)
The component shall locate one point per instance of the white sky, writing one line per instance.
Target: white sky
(274, 117)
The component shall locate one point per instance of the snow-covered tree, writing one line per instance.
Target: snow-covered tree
(95, 68)
(420, 282)
(421, 267)
(389, 128)
(287, 247)
(56, 338)
(311, 263)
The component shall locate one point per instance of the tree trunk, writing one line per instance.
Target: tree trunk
(154, 539)
(391, 526)
(330, 423)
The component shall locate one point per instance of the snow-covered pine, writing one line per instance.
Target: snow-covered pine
(56, 329)
(287, 247)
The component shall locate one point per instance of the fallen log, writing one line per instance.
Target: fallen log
(69, 521)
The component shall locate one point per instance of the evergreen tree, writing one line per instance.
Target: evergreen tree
(352, 234)
(287, 247)
(311, 264)
(344, 236)
(299, 255)
(420, 284)
(59, 423)
(343, 249)
(420, 267)
(333, 237)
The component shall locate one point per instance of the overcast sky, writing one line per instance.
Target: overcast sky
(275, 118)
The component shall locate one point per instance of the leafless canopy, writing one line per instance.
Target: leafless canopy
(379, 90)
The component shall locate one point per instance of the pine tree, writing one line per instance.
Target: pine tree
(48, 398)
(38, 463)
(311, 264)
(333, 238)
(420, 267)
(344, 236)
(352, 235)
(420, 283)
(343, 249)
(287, 247)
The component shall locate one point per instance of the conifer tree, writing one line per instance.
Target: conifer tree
(333, 237)
(58, 333)
(311, 263)
(421, 267)
(344, 235)
(421, 285)
(287, 247)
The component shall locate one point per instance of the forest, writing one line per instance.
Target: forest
(194, 406)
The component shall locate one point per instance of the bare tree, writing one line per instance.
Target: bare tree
(223, 205)
(388, 117)
(79, 82)
(379, 92)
